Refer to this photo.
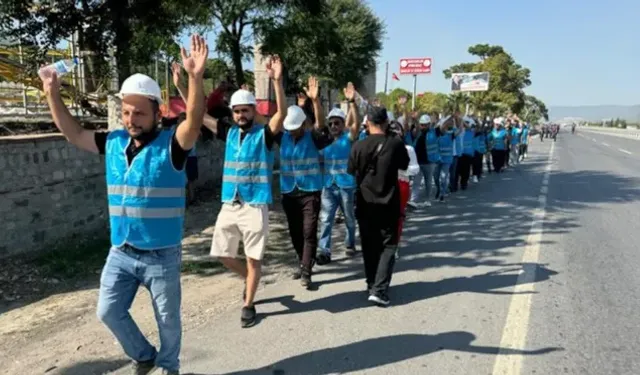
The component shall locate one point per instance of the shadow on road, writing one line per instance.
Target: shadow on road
(97, 367)
(380, 351)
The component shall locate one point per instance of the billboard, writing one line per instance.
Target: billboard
(414, 66)
(470, 81)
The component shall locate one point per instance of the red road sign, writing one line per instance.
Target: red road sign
(420, 65)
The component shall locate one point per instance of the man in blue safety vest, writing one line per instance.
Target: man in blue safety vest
(301, 179)
(339, 186)
(427, 154)
(246, 186)
(480, 149)
(146, 193)
(446, 138)
(466, 159)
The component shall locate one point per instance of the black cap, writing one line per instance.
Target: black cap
(377, 115)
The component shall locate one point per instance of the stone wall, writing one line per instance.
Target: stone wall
(51, 192)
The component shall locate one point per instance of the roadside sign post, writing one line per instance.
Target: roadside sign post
(415, 66)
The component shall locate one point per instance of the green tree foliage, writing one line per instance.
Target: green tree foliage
(507, 81)
(534, 110)
(431, 103)
(133, 30)
(339, 44)
(240, 22)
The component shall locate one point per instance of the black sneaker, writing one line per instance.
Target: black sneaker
(380, 299)
(248, 316)
(305, 279)
(442, 198)
(323, 259)
(351, 251)
(143, 368)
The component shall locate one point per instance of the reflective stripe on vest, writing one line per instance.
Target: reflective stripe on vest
(147, 197)
(336, 159)
(467, 142)
(248, 166)
(299, 164)
(498, 137)
(445, 146)
(433, 150)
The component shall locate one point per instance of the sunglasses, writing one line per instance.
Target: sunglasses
(334, 123)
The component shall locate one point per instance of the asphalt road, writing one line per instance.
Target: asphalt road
(533, 271)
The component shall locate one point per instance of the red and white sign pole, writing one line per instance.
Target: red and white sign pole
(414, 67)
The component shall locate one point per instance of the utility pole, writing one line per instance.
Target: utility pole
(386, 76)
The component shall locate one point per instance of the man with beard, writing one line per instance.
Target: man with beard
(339, 186)
(146, 193)
(427, 154)
(246, 187)
(301, 178)
(375, 163)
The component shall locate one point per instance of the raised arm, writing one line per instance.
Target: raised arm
(209, 122)
(194, 64)
(350, 95)
(313, 90)
(274, 69)
(68, 126)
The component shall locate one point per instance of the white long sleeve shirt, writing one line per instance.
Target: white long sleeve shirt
(413, 169)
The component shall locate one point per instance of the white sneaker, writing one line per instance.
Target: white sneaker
(426, 204)
(475, 179)
(380, 300)
(412, 204)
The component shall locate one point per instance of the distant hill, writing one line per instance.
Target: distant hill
(597, 112)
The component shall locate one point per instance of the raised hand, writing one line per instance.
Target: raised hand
(195, 62)
(274, 68)
(402, 100)
(175, 72)
(350, 92)
(313, 88)
(50, 81)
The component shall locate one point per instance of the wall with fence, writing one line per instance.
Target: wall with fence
(51, 192)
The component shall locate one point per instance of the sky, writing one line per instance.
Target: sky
(580, 52)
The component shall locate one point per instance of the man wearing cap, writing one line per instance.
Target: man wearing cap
(146, 193)
(375, 163)
(466, 159)
(301, 179)
(339, 186)
(427, 154)
(479, 148)
(246, 187)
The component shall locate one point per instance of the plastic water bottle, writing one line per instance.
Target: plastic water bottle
(61, 67)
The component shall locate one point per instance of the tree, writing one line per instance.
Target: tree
(534, 110)
(134, 31)
(507, 81)
(431, 102)
(338, 45)
(241, 22)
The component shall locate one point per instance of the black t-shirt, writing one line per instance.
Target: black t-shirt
(178, 155)
(421, 147)
(377, 177)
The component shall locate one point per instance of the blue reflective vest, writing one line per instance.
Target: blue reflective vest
(433, 149)
(299, 164)
(459, 146)
(480, 143)
(497, 138)
(248, 167)
(525, 135)
(467, 142)
(363, 134)
(445, 147)
(515, 135)
(336, 158)
(147, 198)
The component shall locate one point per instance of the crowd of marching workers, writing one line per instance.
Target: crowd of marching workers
(370, 170)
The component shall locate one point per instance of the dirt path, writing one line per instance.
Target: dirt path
(47, 334)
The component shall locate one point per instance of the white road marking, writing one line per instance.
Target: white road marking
(625, 151)
(605, 144)
(514, 334)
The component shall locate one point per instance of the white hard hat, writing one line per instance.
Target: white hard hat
(469, 121)
(242, 97)
(337, 112)
(425, 119)
(140, 84)
(443, 120)
(295, 118)
(364, 120)
(498, 121)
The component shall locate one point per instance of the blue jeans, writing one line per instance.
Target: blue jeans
(158, 271)
(441, 177)
(332, 198)
(427, 174)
